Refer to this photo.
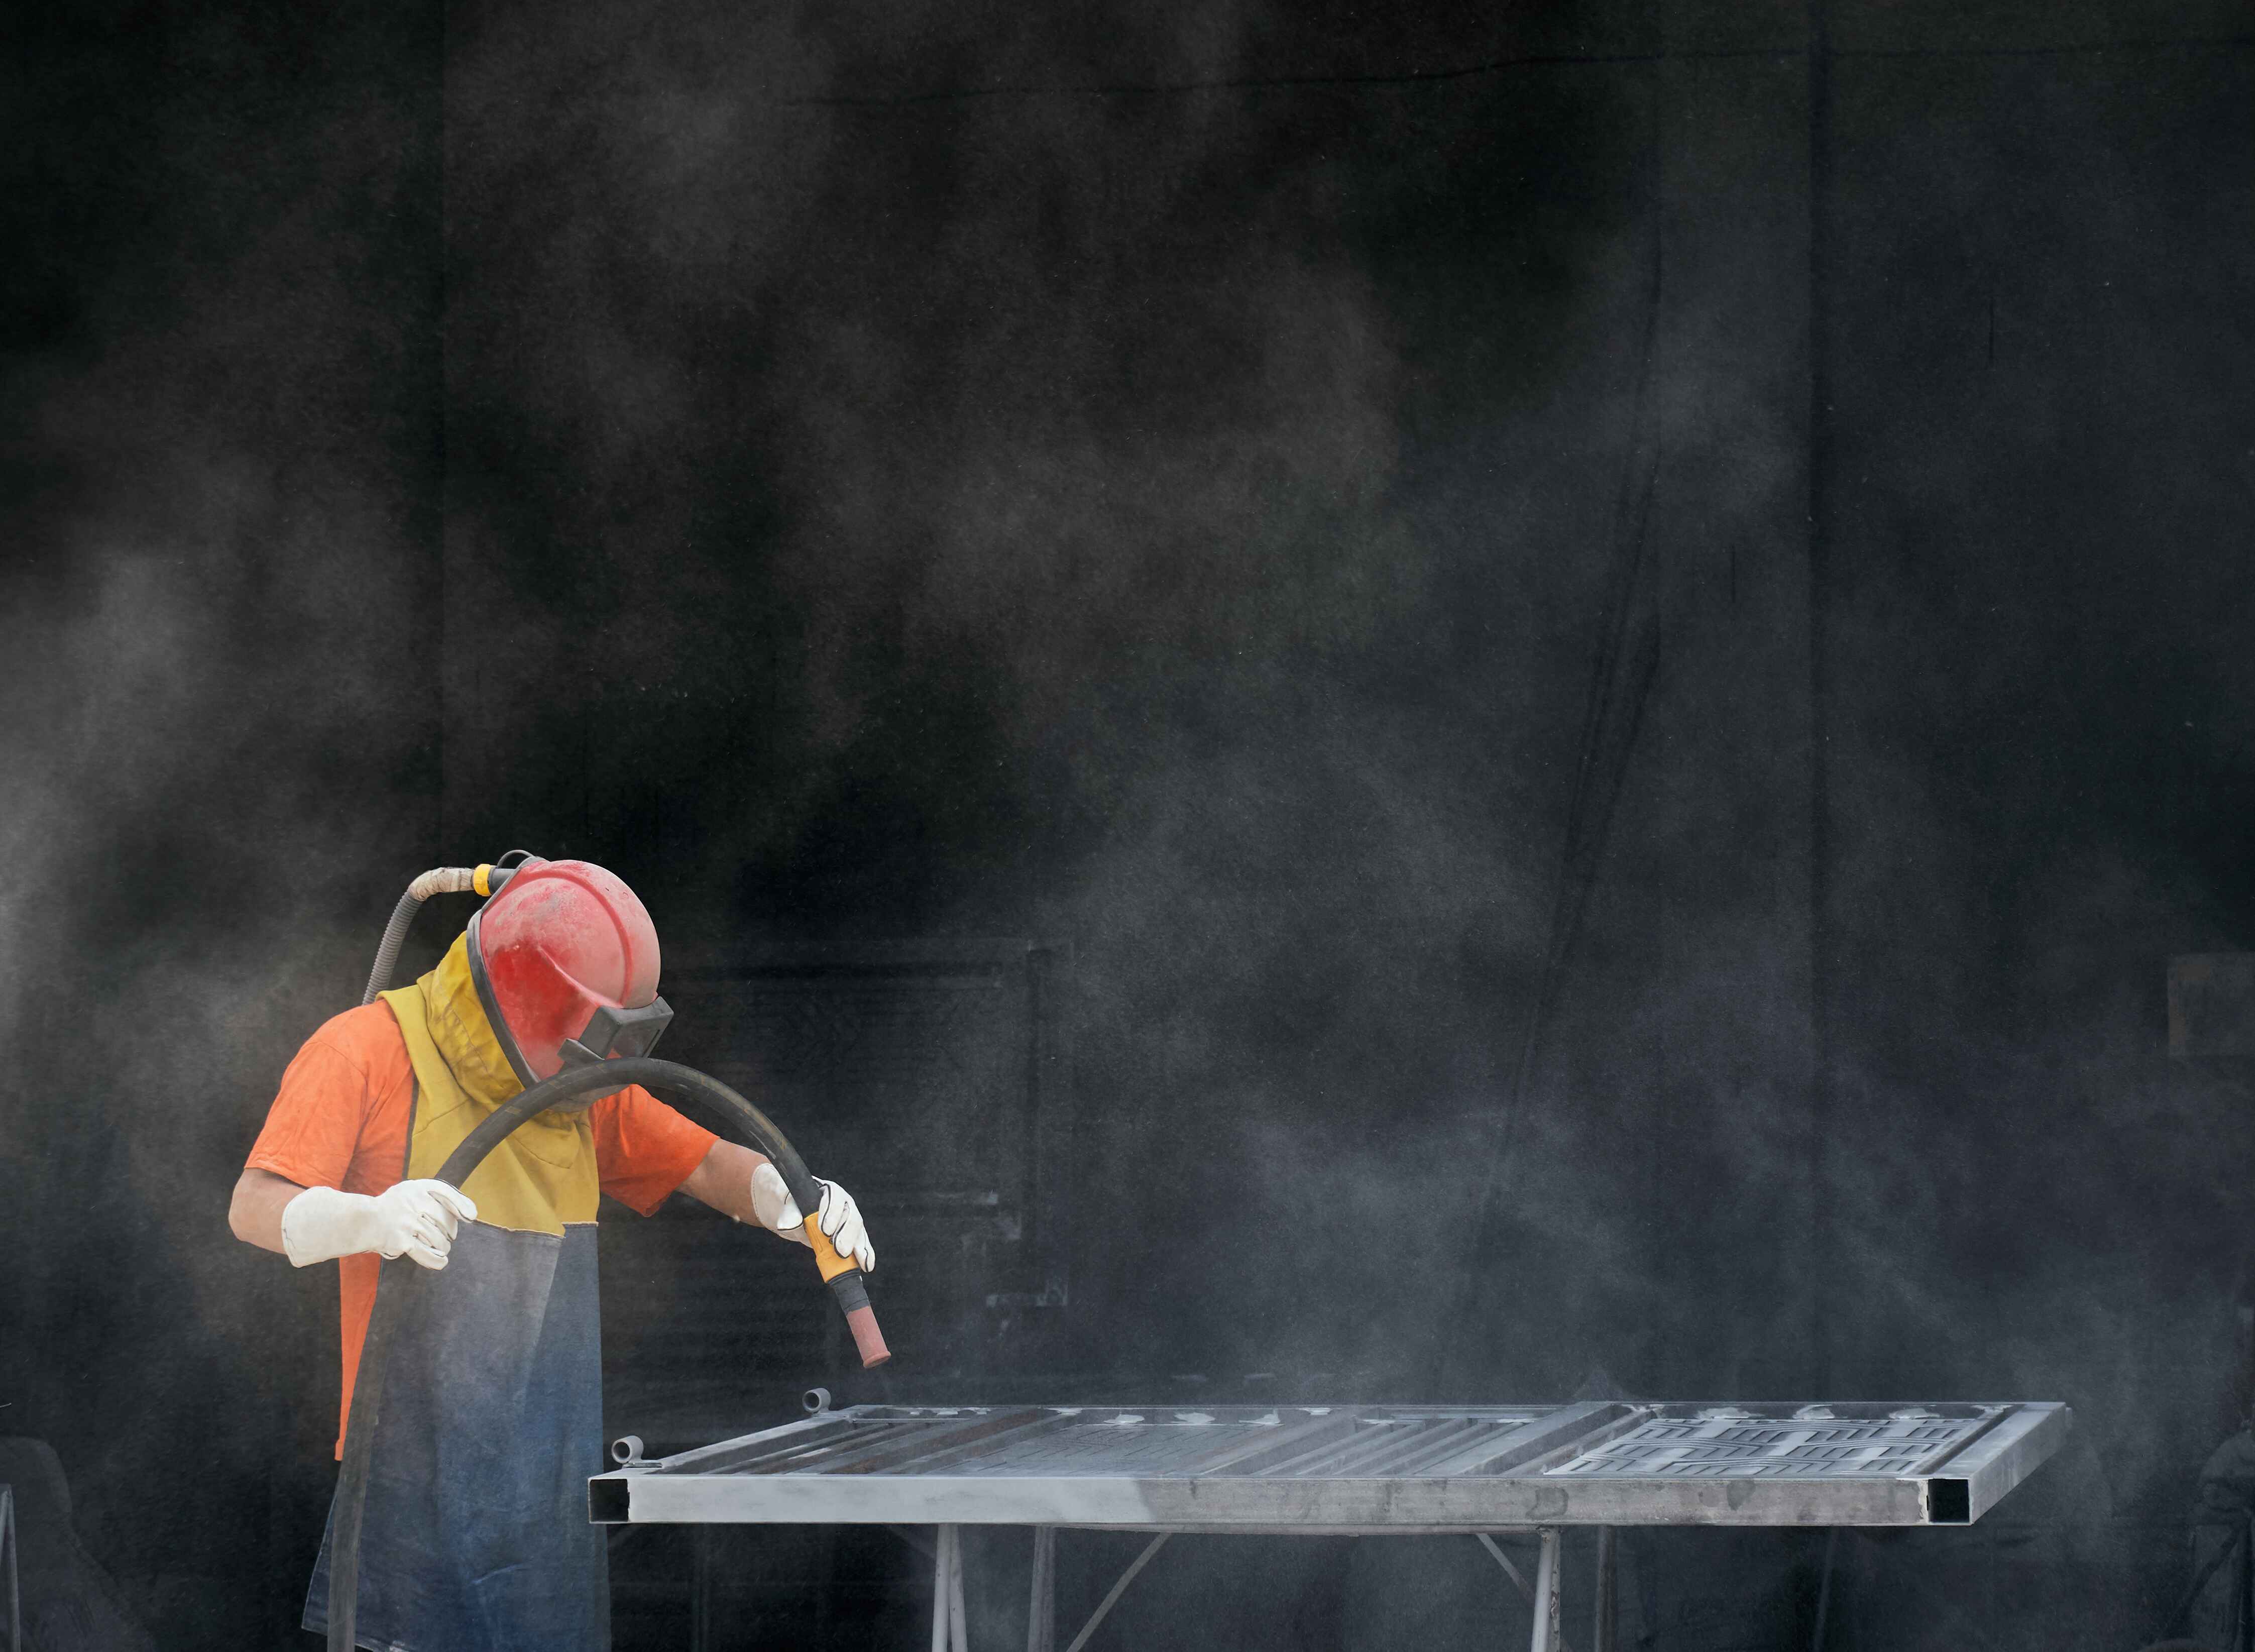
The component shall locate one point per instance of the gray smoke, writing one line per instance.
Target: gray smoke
(1157, 481)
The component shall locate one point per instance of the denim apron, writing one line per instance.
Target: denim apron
(476, 1536)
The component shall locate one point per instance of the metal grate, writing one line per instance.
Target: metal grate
(1356, 1468)
(1319, 1441)
(1728, 1443)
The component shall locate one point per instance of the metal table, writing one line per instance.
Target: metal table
(1481, 1471)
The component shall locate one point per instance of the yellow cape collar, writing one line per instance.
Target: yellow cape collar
(458, 1027)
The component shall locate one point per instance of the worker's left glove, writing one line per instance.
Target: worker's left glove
(840, 1219)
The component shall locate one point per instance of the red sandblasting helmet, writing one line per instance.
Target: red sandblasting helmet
(565, 963)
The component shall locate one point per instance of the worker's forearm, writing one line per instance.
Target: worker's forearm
(255, 1213)
(724, 1180)
(416, 1219)
(746, 1186)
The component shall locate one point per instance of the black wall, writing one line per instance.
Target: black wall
(1619, 638)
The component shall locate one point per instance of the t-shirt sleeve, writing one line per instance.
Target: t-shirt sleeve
(643, 1148)
(313, 1126)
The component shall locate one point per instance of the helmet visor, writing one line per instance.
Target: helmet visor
(614, 1030)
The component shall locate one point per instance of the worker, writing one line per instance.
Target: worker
(476, 1536)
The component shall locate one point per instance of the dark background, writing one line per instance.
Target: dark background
(1619, 637)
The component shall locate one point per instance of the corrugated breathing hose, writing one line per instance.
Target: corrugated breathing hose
(439, 880)
(400, 1279)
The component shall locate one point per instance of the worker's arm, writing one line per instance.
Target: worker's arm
(307, 1225)
(255, 1214)
(739, 1183)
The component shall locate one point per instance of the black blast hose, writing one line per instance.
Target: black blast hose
(401, 1279)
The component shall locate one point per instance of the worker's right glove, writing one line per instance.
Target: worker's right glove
(416, 1220)
(840, 1217)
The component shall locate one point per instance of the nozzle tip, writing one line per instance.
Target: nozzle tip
(862, 1322)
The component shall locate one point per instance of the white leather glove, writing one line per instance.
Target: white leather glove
(840, 1218)
(416, 1220)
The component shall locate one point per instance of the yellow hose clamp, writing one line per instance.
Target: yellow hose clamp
(478, 881)
(826, 1254)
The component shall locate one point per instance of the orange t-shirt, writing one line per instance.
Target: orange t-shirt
(341, 1119)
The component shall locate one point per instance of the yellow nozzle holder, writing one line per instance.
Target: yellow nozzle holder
(478, 879)
(826, 1254)
(844, 1279)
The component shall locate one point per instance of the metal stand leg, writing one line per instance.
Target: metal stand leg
(1041, 1610)
(1605, 1617)
(1557, 1642)
(1825, 1590)
(1119, 1589)
(958, 1638)
(943, 1586)
(1547, 1638)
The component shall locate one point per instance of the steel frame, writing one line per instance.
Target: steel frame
(1342, 1471)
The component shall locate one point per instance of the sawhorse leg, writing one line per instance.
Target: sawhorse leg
(1542, 1594)
(1605, 1619)
(947, 1630)
(1547, 1638)
(1041, 1609)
